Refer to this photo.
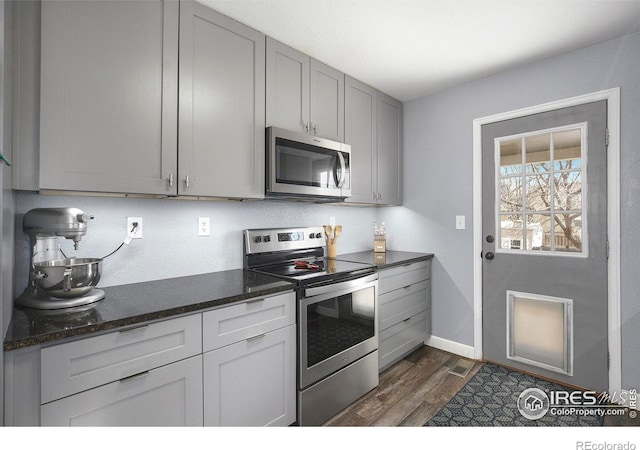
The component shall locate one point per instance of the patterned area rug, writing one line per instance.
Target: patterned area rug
(490, 399)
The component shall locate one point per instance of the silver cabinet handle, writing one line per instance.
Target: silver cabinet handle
(186, 181)
(315, 129)
(170, 180)
(255, 300)
(375, 195)
(307, 126)
(133, 328)
(131, 377)
(253, 338)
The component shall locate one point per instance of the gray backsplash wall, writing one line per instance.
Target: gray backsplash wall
(438, 176)
(170, 246)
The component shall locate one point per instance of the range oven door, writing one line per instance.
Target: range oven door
(338, 325)
(299, 164)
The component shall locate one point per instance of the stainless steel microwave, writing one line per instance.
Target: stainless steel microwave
(300, 165)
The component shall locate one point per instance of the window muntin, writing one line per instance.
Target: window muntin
(540, 186)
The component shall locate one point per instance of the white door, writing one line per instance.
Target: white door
(545, 244)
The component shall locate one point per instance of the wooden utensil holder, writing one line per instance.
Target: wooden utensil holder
(332, 251)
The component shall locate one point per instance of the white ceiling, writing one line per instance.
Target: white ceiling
(411, 48)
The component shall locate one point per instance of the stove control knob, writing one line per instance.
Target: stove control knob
(257, 239)
(318, 235)
(266, 239)
(311, 235)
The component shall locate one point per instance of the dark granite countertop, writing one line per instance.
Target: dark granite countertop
(139, 302)
(386, 260)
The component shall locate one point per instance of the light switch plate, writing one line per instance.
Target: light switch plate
(460, 223)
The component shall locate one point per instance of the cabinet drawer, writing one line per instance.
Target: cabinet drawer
(402, 338)
(84, 364)
(396, 306)
(399, 277)
(232, 324)
(167, 396)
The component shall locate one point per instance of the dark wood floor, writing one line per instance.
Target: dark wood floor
(414, 389)
(410, 392)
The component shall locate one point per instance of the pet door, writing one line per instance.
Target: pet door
(539, 331)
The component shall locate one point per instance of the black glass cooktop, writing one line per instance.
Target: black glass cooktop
(304, 271)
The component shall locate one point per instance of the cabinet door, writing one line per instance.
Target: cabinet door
(326, 101)
(221, 127)
(361, 125)
(168, 396)
(252, 382)
(287, 87)
(108, 111)
(389, 150)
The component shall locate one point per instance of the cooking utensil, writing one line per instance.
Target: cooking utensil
(328, 232)
(68, 278)
(337, 232)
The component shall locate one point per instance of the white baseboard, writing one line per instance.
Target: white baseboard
(466, 351)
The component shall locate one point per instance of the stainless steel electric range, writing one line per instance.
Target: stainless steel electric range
(337, 309)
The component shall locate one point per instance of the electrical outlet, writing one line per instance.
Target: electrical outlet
(203, 226)
(134, 227)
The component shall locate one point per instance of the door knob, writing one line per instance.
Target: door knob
(489, 255)
(490, 238)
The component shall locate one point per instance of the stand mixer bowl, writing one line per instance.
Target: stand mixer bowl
(68, 278)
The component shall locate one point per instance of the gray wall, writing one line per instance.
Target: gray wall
(170, 246)
(438, 176)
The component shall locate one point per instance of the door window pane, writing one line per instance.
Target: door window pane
(511, 157)
(567, 149)
(568, 232)
(511, 194)
(511, 235)
(538, 192)
(541, 179)
(568, 191)
(539, 232)
(538, 153)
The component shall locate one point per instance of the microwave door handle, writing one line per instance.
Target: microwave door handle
(343, 170)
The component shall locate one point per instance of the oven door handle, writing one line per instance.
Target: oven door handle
(339, 287)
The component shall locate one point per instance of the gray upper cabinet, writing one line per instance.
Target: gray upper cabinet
(108, 99)
(389, 150)
(373, 128)
(361, 126)
(303, 94)
(222, 98)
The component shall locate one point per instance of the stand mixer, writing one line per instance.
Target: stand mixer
(56, 282)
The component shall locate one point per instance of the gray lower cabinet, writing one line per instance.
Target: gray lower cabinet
(170, 395)
(373, 128)
(250, 363)
(221, 112)
(234, 366)
(145, 375)
(405, 310)
(108, 96)
(303, 94)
